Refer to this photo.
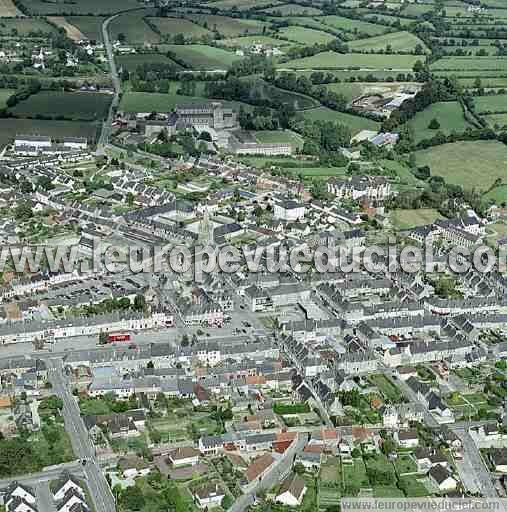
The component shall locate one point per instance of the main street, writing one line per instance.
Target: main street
(99, 488)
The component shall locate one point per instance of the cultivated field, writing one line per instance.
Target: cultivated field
(228, 27)
(360, 27)
(355, 123)
(470, 63)
(449, 114)
(25, 26)
(395, 41)
(305, 35)
(469, 164)
(293, 10)
(134, 28)
(130, 62)
(200, 56)
(9, 128)
(243, 5)
(491, 104)
(90, 26)
(333, 60)
(78, 106)
(84, 7)
(8, 9)
(72, 31)
(173, 26)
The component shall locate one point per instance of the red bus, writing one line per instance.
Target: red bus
(118, 336)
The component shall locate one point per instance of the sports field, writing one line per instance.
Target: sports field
(293, 10)
(201, 56)
(333, 60)
(395, 42)
(279, 137)
(449, 114)
(469, 164)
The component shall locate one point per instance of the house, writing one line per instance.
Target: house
(498, 459)
(64, 484)
(132, 467)
(209, 496)
(407, 438)
(19, 498)
(259, 467)
(442, 478)
(289, 211)
(292, 491)
(184, 456)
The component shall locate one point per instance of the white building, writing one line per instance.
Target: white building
(209, 496)
(292, 491)
(290, 211)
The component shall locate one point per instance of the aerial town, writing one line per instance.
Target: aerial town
(199, 206)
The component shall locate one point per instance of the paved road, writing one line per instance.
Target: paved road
(44, 476)
(45, 502)
(81, 443)
(475, 473)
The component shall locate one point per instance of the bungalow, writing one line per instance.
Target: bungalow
(184, 456)
(407, 438)
(209, 495)
(442, 478)
(292, 491)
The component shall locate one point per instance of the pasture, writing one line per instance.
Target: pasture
(470, 64)
(469, 164)
(247, 41)
(394, 41)
(356, 26)
(90, 26)
(71, 30)
(497, 120)
(491, 104)
(68, 7)
(173, 26)
(293, 10)
(132, 61)
(449, 114)
(200, 56)
(333, 60)
(243, 5)
(407, 219)
(304, 35)
(228, 27)
(355, 123)
(9, 128)
(134, 28)
(75, 106)
(25, 27)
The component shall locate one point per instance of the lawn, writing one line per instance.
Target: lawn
(449, 114)
(173, 26)
(355, 123)
(304, 35)
(469, 164)
(134, 28)
(333, 60)
(9, 128)
(5, 94)
(280, 137)
(491, 104)
(396, 41)
(228, 27)
(405, 464)
(200, 56)
(73, 106)
(356, 26)
(387, 388)
(470, 63)
(406, 219)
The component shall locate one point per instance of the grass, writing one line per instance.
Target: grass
(498, 195)
(449, 114)
(357, 26)
(469, 164)
(354, 477)
(134, 28)
(333, 60)
(406, 219)
(246, 41)
(90, 26)
(413, 488)
(355, 123)
(470, 63)
(396, 41)
(405, 464)
(279, 137)
(131, 62)
(330, 471)
(229, 27)
(497, 120)
(491, 104)
(85, 7)
(25, 26)
(293, 10)
(200, 56)
(387, 491)
(5, 94)
(242, 5)
(172, 26)
(304, 35)
(387, 388)
(9, 128)
(74, 106)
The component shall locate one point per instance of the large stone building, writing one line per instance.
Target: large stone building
(211, 115)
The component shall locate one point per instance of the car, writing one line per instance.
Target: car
(83, 462)
(241, 306)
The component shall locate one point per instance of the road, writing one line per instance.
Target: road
(45, 501)
(99, 488)
(33, 479)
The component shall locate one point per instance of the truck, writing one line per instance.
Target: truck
(118, 337)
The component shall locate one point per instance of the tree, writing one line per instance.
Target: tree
(23, 211)
(121, 37)
(140, 302)
(418, 66)
(434, 124)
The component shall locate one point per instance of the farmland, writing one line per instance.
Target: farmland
(307, 35)
(172, 26)
(448, 114)
(40, 7)
(333, 60)
(241, 5)
(394, 42)
(199, 56)
(25, 26)
(78, 106)
(293, 10)
(8, 9)
(470, 63)
(134, 28)
(406, 219)
(90, 26)
(4, 95)
(469, 164)
(491, 104)
(228, 27)
(355, 123)
(9, 128)
(130, 62)
(356, 26)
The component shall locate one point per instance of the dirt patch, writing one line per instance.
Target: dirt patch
(72, 31)
(9, 10)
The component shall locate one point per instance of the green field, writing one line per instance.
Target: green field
(90, 26)
(305, 35)
(82, 7)
(396, 41)
(449, 114)
(355, 26)
(200, 56)
(355, 123)
(9, 128)
(279, 137)
(131, 62)
(293, 10)
(4, 95)
(491, 104)
(406, 219)
(246, 41)
(134, 28)
(497, 119)
(74, 106)
(243, 5)
(25, 26)
(470, 164)
(228, 27)
(387, 388)
(470, 63)
(333, 60)
(173, 26)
